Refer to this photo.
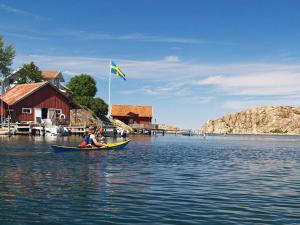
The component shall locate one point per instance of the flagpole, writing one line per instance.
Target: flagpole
(109, 83)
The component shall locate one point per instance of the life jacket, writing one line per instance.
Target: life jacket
(86, 140)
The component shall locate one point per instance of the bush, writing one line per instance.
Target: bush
(278, 131)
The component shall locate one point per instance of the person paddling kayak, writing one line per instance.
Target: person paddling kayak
(93, 140)
(90, 139)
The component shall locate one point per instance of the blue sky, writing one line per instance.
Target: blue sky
(191, 60)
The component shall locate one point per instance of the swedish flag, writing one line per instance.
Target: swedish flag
(116, 70)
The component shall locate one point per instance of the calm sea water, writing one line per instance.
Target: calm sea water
(155, 180)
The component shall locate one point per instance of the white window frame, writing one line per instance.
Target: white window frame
(24, 110)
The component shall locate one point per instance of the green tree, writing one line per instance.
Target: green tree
(85, 101)
(29, 73)
(83, 88)
(99, 107)
(7, 55)
(82, 85)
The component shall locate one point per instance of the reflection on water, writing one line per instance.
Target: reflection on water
(167, 180)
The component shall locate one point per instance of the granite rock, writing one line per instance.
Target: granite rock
(260, 120)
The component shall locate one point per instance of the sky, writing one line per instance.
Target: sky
(192, 60)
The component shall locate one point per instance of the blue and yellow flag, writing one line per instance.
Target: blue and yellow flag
(116, 70)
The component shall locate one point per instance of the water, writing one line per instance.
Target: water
(155, 180)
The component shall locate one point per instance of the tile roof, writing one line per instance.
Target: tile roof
(48, 75)
(20, 91)
(131, 110)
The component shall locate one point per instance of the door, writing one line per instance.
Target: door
(44, 113)
(37, 115)
(51, 115)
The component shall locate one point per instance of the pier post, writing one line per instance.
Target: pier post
(9, 125)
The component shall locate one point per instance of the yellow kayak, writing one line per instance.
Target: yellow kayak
(109, 146)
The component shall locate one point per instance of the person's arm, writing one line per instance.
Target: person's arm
(98, 144)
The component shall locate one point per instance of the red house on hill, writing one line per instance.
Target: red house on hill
(37, 102)
(132, 114)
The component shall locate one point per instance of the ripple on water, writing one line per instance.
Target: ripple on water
(162, 180)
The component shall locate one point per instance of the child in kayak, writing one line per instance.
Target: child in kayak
(100, 136)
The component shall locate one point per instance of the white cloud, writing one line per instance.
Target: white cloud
(170, 78)
(284, 82)
(170, 71)
(171, 58)
(21, 12)
(12, 10)
(24, 36)
(85, 35)
(69, 73)
(199, 99)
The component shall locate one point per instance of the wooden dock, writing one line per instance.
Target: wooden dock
(17, 128)
(149, 129)
(76, 130)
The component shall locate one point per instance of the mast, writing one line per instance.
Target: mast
(109, 84)
(2, 92)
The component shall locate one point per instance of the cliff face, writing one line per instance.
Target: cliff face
(260, 120)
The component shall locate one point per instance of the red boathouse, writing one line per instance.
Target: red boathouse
(132, 114)
(37, 102)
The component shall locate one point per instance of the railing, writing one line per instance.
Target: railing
(144, 126)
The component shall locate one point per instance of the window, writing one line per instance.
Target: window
(26, 110)
(58, 111)
(56, 82)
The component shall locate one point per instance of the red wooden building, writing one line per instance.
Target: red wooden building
(37, 102)
(132, 114)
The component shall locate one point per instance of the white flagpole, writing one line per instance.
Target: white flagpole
(109, 82)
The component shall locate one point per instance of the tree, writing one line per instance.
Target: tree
(29, 73)
(83, 88)
(99, 107)
(82, 85)
(86, 101)
(7, 55)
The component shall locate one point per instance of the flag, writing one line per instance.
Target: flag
(116, 70)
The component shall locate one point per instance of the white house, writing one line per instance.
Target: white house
(54, 77)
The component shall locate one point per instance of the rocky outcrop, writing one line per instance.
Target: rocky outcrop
(86, 117)
(124, 126)
(83, 117)
(260, 120)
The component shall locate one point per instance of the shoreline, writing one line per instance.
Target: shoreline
(258, 134)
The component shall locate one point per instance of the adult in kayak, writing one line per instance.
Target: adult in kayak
(93, 140)
(90, 139)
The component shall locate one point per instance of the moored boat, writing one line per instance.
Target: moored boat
(110, 146)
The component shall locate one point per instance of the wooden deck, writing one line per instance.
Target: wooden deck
(150, 129)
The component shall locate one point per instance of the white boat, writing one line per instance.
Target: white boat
(50, 130)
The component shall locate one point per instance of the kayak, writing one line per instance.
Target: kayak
(110, 146)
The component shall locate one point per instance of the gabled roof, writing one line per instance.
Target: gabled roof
(131, 110)
(49, 75)
(20, 91)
